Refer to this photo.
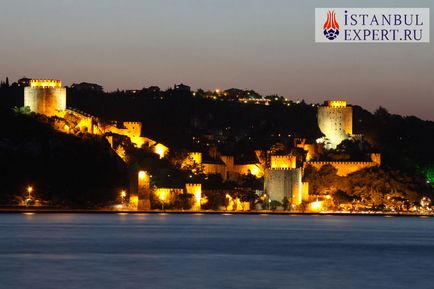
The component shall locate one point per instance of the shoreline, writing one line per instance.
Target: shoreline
(203, 212)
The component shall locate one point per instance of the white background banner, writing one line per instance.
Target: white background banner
(361, 25)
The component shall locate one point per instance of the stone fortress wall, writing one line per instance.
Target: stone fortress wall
(48, 97)
(346, 168)
(285, 183)
(227, 167)
(45, 96)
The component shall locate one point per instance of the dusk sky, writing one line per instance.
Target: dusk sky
(263, 45)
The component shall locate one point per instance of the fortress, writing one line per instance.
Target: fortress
(48, 97)
(283, 173)
(283, 178)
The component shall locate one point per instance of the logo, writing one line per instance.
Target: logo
(331, 26)
(372, 25)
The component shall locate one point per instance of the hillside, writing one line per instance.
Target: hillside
(66, 170)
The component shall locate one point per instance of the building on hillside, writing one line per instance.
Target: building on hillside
(24, 82)
(45, 96)
(86, 86)
(182, 88)
(140, 191)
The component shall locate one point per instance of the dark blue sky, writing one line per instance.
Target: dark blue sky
(265, 45)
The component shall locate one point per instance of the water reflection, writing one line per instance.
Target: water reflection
(183, 251)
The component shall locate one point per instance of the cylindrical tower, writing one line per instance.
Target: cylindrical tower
(144, 191)
(45, 96)
(335, 120)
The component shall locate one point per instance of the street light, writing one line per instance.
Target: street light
(29, 196)
(29, 190)
(142, 174)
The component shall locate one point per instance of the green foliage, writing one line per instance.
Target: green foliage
(22, 109)
(429, 174)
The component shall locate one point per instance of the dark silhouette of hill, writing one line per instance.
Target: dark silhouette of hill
(68, 170)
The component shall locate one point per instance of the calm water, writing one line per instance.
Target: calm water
(215, 251)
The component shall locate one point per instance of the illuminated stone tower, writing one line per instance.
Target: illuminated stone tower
(45, 96)
(335, 120)
(144, 191)
(284, 183)
(196, 191)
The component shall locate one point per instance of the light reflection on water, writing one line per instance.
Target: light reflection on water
(186, 251)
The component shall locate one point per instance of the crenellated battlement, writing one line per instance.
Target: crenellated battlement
(128, 123)
(133, 126)
(281, 169)
(190, 185)
(286, 161)
(196, 191)
(78, 112)
(335, 120)
(336, 103)
(45, 83)
(338, 163)
(344, 168)
(45, 96)
(196, 157)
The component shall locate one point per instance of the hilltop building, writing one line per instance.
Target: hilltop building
(182, 87)
(45, 96)
(335, 120)
(23, 82)
(86, 86)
